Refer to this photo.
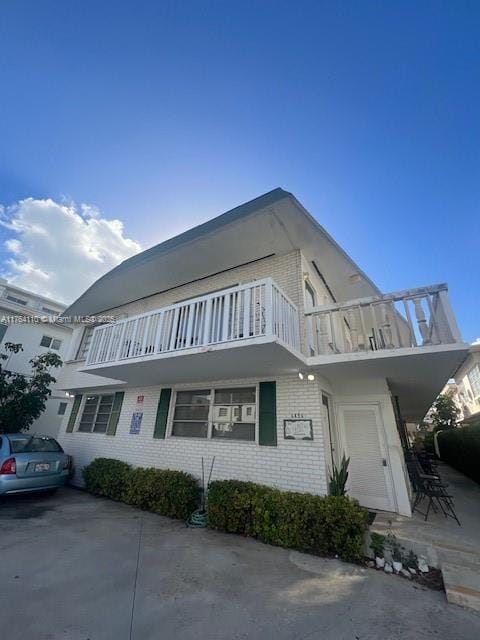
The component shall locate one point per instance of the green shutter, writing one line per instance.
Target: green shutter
(267, 414)
(74, 413)
(162, 414)
(114, 416)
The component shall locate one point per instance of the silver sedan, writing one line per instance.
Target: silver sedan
(32, 463)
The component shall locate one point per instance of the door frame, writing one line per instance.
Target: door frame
(378, 406)
(331, 454)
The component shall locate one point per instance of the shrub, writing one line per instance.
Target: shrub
(461, 449)
(106, 477)
(322, 525)
(169, 493)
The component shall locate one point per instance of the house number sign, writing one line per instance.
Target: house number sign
(298, 429)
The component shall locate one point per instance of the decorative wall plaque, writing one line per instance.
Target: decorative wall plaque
(298, 429)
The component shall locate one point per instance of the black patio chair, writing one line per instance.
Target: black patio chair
(430, 486)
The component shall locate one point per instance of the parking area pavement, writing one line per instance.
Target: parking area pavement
(82, 568)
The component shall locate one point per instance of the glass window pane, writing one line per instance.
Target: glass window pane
(190, 429)
(235, 396)
(233, 431)
(100, 427)
(85, 426)
(193, 397)
(45, 341)
(194, 412)
(56, 343)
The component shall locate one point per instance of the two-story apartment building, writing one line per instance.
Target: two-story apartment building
(29, 319)
(256, 339)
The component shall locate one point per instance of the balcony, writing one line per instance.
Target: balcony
(201, 338)
(408, 339)
(377, 325)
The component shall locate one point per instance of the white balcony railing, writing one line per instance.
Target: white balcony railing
(418, 317)
(244, 312)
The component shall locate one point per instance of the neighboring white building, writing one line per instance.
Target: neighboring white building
(36, 338)
(256, 339)
(467, 379)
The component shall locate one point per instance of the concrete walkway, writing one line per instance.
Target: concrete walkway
(74, 567)
(454, 549)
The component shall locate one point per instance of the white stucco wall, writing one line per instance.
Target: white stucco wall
(29, 336)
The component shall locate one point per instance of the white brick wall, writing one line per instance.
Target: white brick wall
(291, 465)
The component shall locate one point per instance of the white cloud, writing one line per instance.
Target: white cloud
(477, 341)
(58, 249)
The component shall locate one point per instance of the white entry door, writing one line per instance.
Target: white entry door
(363, 440)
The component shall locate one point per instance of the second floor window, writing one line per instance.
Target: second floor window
(17, 300)
(85, 343)
(50, 343)
(474, 379)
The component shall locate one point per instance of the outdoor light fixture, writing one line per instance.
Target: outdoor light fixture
(309, 376)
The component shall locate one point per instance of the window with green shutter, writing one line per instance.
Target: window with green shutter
(267, 414)
(162, 413)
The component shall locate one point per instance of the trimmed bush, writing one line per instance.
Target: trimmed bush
(168, 493)
(461, 449)
(322, 525)
(106, 477)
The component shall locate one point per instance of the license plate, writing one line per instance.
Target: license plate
(42, 466)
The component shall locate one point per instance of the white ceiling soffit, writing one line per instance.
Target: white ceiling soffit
(274, 223)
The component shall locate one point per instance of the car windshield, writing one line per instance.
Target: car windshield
(30, 444)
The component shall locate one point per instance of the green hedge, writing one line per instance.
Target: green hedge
(322, 525)
(461, 449)
(168, 493)
(106, 477)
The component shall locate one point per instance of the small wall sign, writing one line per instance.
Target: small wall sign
(298, 429)
(136, 422)
(140, 400)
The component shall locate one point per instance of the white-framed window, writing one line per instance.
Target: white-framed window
(51, 312)
(310, 294)
(85, 342)
(51, 343)
(220, 413)
(17, 300)
(474, 379)
(62, 408)
(96, 413)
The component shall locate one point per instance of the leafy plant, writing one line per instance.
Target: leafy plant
(322, 525)
(169, 493)
(107, 477)
(393, 547)
(411, 560)
(377, 544)
(444, 413)
(461, 449)
(23, 397)
(338, 478)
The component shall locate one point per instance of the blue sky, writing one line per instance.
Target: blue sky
(164, 114)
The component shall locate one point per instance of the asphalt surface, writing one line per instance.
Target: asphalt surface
(82, 568)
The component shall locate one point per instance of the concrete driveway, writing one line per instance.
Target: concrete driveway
(82, 568)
